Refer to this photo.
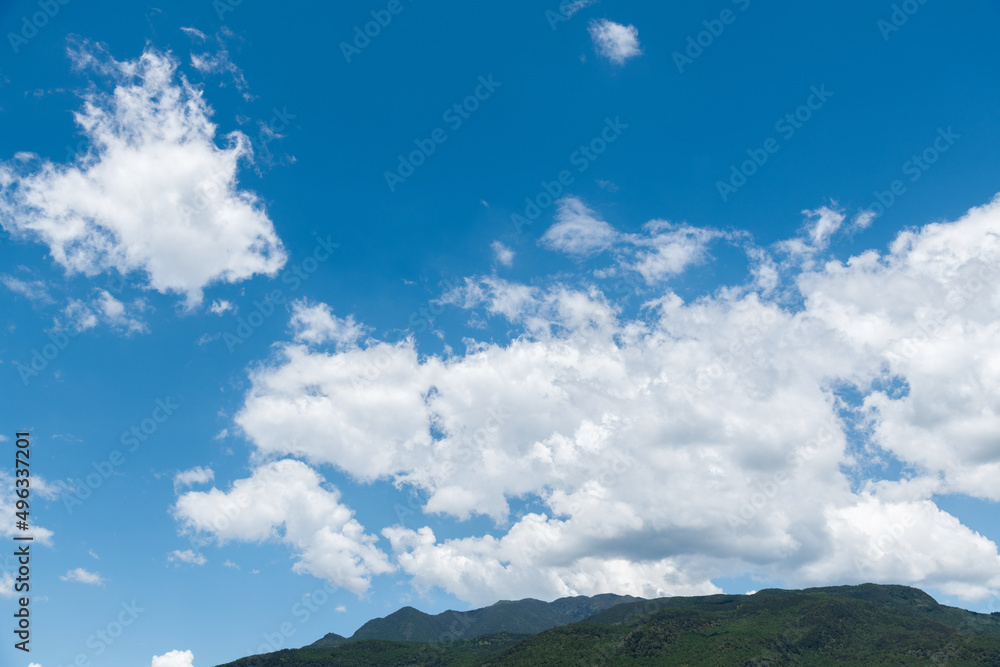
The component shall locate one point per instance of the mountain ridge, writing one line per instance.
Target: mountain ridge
(862, 625)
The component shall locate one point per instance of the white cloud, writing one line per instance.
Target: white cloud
(154, 195)
(196, 475)
(220, 306)
(8, 528)
(664, 250)
(231, 565)
(569, 9)
(80, 315)
(220, 63)
(578, 231)
(502, 254)
(669, 249)
(34, 290)
(82, 576)
(174, 659)
(287, 501)
(7, 585)
(692, 440)
(194, 33)
(340, 609)
(316, 324)
(615, 41)
(187, 556)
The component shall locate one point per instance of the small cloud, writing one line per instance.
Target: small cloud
(751, 593)
(82, 576)
(570, 8)
(94, 555)
(205, 339)
(219, 63)
(186, 556)
(502, 253)
(220, 306)
(34, 290)
(484, 203)
(196, 475)
(577, 230)
(231, 565)
(608, 186)
(341, 609)
(222, 435)
(822, 224)
(194, 33)
(254, 571)
(316, 324)
(615, 41)
(80, 315)
(174, 659)
(862, 221)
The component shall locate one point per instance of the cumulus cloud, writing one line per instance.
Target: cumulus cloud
(578, 231)
(668, 250)
(502, 254)
(664, 448)
(187, 556)
(154, 194)
(196, 475)
(289, 502)
(82, 576)
(662, 251)
(174, 659)
(220, 306)
(316, 324)
(615, 41)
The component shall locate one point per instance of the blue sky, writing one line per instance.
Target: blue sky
(506, 300)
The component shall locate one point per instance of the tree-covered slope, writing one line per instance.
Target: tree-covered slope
(843, 625)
